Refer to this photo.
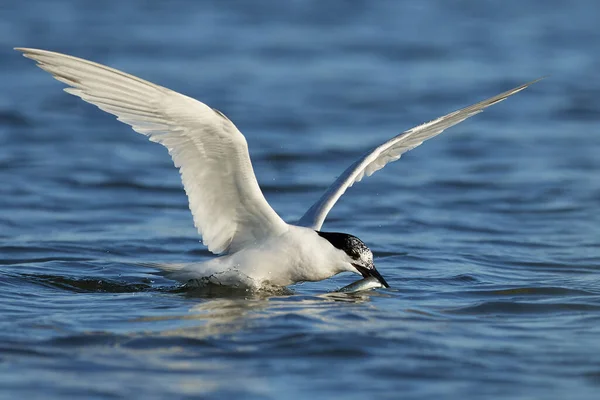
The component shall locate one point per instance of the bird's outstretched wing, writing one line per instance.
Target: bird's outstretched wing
(390, 151)
(227, 204)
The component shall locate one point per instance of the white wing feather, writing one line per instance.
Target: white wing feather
(226, 202)
(390, 151)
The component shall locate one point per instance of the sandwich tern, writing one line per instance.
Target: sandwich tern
(256, 247)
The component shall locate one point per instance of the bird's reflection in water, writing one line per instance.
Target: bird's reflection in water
(225, 310)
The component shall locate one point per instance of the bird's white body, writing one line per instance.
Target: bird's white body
(296, 255)
(228, 207)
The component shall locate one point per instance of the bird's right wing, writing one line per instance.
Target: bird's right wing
(390, 151)
(227, 204)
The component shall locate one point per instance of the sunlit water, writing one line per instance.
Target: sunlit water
(489, 234)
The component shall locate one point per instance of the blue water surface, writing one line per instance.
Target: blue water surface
(489, 234)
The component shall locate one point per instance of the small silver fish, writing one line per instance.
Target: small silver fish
(360, 285)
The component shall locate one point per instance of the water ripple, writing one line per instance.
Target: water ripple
(488, 233)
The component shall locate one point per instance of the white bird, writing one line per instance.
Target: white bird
(231, 214)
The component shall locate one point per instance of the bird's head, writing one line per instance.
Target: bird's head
(359, 256)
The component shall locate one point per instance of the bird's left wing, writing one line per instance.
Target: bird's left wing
(390, 151)
(226, 202)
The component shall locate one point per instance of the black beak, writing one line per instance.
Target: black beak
(367, 272)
